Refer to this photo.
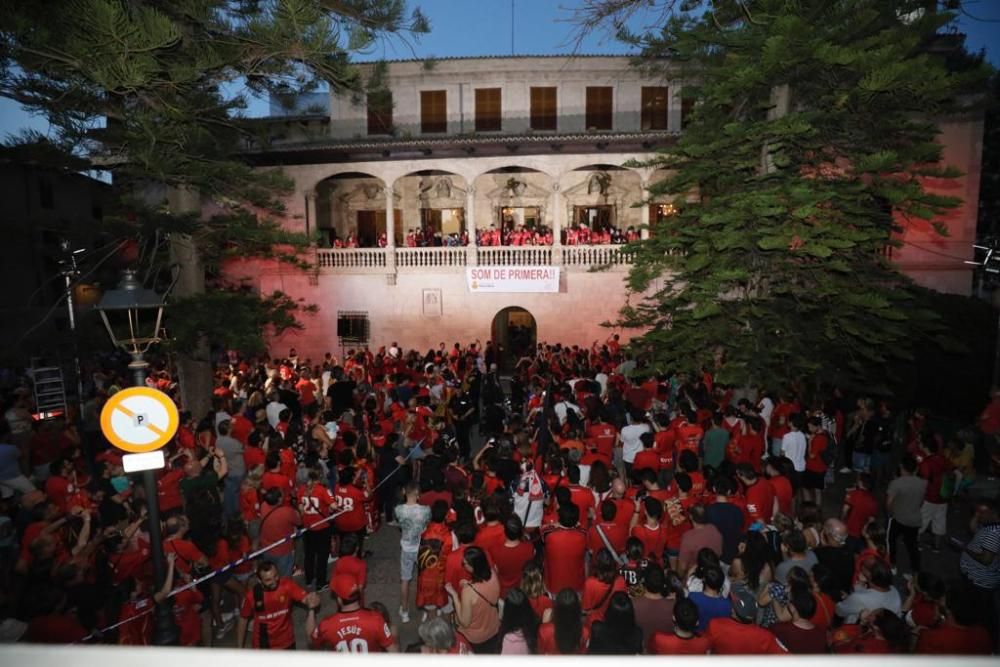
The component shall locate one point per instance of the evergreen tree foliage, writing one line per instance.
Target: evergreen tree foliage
(154, 91)
(812, 133)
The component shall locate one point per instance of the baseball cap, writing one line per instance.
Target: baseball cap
(344, 586)
(744, 605)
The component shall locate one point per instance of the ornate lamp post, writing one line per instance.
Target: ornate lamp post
(141, 310)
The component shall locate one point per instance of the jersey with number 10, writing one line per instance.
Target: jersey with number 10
(361, 631)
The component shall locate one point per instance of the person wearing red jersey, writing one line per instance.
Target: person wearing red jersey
(624, 507)
(274, 478)
(598, 588)
(689, 434)
(616, 534)
(759, 495)
(877, 632)
(961, 632)
(349, 563)
(278, 521)
(61, 484)
(189, 556)
(566, 634)
(436, 544)
(684, 640)
(648, 458)
(777, 470)
(269, 605)
(581, 496)
(604, 437)
(652, 533)
(511, 556)
(491, 533)
(565, 548)
(934, 511)
(349, 501)
(814, 477)
(138, 610)
(315, 503)
(353, 629)
(454, 571)
(737, 634)
(859, 508)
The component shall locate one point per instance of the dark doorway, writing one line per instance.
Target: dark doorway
(514, 333)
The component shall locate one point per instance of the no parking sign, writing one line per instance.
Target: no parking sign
(140, 420)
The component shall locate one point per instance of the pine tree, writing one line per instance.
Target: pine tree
(145, 90)
(812, 128)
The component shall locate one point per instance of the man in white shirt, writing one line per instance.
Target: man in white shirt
(273, 409)
(793, 443)
(630, 436)
(879, 594)
(765, 406)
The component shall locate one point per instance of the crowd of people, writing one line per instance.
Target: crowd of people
(509, 235)
(585, 505)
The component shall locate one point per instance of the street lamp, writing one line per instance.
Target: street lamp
(141, 310)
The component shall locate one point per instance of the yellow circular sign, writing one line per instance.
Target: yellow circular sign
(139, 419)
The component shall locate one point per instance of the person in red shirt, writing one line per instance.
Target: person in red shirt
(779, 424)
(136, 614)
(278, 521)
(349, 563)
(60, 485)
(306, 389)
(511, 555)
(604, 437)
(349, 501)
(615, 533)
(814, 477)
(565, 549)
(689, 434)
(648, 458)
(737, 634)
(581, 496)
(684, 640)
(491, 533)
(240, 427)
(274, 478)
(759, 495)
(652, 533)
(352, 629)
(776, 470)
(961, 632)
(859, 508)
(269, 605)
(315, 503)
(934, 512)
(566, 634)
(189, 556)
(879, 632)
(598, 589)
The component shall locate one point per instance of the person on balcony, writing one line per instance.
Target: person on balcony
(382, 240)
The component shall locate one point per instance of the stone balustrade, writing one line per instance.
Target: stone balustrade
(454, 259)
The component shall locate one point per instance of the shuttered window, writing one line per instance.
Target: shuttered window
(433, 111)
(380, 112)
(654, 107)
(599, 107)
(543, 108)
(488, 112)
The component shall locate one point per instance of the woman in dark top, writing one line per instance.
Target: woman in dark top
(617, 634)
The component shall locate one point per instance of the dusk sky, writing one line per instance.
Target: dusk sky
(483, 27)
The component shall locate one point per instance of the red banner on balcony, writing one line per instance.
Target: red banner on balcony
(498, 279)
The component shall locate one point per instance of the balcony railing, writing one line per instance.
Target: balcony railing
(415, 260)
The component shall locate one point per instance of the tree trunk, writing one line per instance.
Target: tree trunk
(194, 368)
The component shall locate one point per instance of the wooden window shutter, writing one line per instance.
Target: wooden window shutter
(599, 107)
(543, 108)
(488, 110)
(433, 111)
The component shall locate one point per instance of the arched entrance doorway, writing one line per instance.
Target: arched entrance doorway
(514, 333)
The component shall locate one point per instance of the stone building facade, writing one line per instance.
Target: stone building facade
(541, 145)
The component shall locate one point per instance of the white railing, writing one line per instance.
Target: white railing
(414, 260)
(594, 255)
(430, 258)
(352, 260)
(518, 255)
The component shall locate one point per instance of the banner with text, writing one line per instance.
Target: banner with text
(512, 278)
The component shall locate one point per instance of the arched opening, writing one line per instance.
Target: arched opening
(351, 211)
(513, 207)
(434, 212)
(514, 334)
(600, 201)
